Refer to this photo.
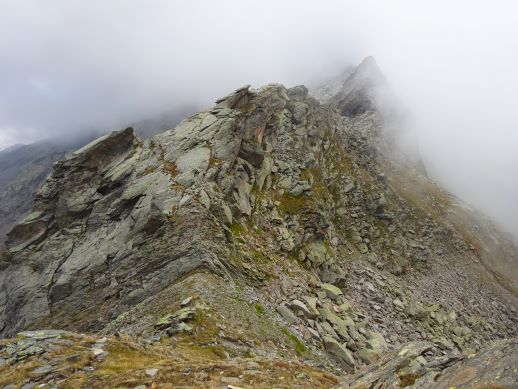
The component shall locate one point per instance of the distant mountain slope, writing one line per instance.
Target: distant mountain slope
(22, 170)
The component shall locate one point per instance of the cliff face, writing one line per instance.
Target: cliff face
(268, 227)
(24, 168)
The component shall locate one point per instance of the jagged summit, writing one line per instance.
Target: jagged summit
(269, 233)
(356, 90)
(326, 90)
(369, 69)
(366, 89)
(366, 76)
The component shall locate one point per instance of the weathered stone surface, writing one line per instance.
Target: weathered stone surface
(388, 372)
(376, 342)
(311, 303)
(42, 335)
(298, 93)
(252, 153)
(332, 291)
(367, 355)
(42, 370)
(222, 212)
(192, 163)
(152, 372)
(300, 308)
(496, 366)
(287, 314)
(398, 304)
(340, 353)
(242, 187)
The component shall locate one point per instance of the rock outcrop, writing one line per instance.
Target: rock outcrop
(24, 168)
(417, 366)
(269, 227)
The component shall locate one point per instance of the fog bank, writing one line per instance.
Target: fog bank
(70, 65)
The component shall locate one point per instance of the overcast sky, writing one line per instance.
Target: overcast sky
(68, 66)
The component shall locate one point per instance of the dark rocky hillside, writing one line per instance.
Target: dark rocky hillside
(269, 241)
(22, 170)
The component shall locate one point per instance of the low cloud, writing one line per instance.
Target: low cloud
(69, 66)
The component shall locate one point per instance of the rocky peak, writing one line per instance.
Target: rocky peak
(359, 92)
(269, 226)
(326, 89)
(367, 72)
(365, 94)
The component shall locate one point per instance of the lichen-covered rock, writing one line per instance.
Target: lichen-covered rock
(496, 366)
(416, 366)
(332, 291)
(287, 314)
(300, 308)
(340, 353)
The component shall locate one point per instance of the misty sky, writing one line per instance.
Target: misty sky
(69, 65)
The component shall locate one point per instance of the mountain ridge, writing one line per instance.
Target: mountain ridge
(267, 229)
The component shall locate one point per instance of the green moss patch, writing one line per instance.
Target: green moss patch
(300, 347)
